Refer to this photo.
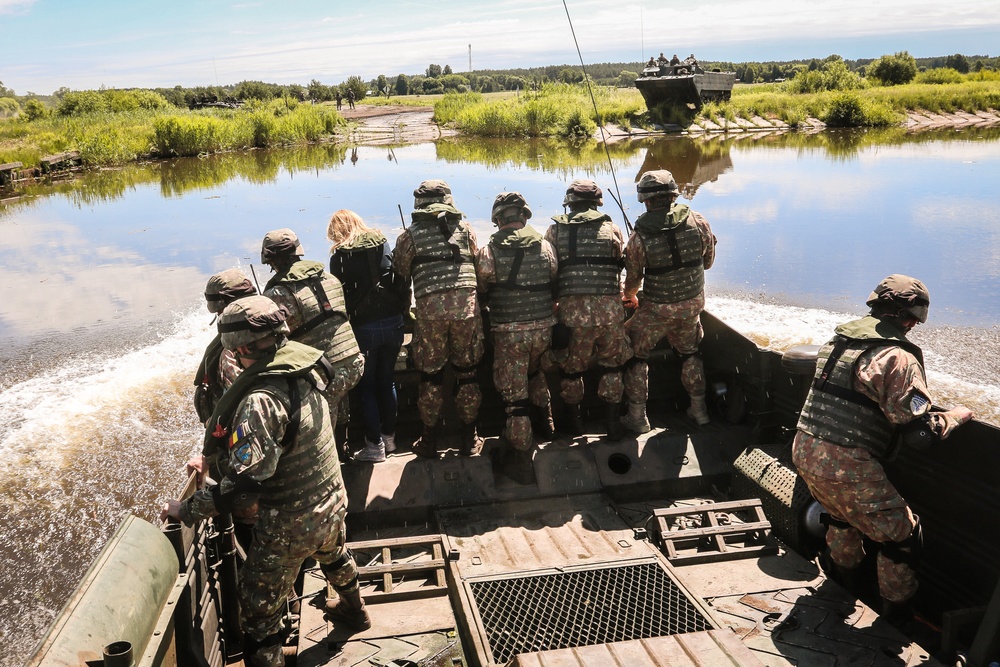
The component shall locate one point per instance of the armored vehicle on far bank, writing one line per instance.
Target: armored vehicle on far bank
(683, 84)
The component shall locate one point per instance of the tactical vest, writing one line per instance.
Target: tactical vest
(308, 471)
(589, 262)
(833, 410)
(320, 297)
(523, 291)
(443, 259)
(675, 269)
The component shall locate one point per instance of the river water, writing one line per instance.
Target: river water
(102, 321)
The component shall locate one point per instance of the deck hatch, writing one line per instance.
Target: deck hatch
(582, 608)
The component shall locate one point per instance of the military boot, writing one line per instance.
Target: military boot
(265, 653)
(519, 467)
(541, 422)
(349, 609)
(698, 410)
(636, 419)
(613, 412)
(573, 421)
(426, 445)
(470, 444)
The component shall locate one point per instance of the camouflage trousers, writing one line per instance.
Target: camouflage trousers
(436, 343)
(281, 543)
(609, 348)
(645, 330)
(874, 509)
(346, 374)
(520, 361)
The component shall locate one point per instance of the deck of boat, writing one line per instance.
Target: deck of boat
(462, 566)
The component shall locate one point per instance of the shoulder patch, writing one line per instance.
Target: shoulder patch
(240, 433)
(918, 402)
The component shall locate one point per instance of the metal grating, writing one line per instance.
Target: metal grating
(582, 608)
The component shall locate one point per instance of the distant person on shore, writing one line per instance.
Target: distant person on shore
(350, 97)
(376, 300)
(869, 403)
(667, 255)
(340, 99)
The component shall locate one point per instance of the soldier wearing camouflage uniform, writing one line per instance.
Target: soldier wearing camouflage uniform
(869, 402)
(274, 425)
(589, 249)
(517, 272)
(317, 312)
(668, 254)
(437, 252)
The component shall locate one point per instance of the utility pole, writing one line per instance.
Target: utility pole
(470, 58)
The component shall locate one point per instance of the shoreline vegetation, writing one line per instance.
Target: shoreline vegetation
(115, 127)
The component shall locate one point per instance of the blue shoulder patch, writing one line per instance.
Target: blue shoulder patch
(918, 402)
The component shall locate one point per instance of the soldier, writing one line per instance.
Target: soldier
(275, 426)
(869, 402)
(589, 249)
(517, 271)
(218, 368)
(668, 254)
(317, 312)
(437, 253)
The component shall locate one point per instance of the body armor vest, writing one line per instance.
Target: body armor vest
(589, 262)
(308, 471)
(523, 292)
(833, 410)
(675, 269)
(324, 313)
(443, 259)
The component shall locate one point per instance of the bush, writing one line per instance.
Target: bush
(9, 107)
(832, 75)
(893, 70)
(82, 102)
(578, 125)
(851, 110)
(190, 135)
(940, 75)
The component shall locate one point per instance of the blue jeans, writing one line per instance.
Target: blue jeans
(379, 342)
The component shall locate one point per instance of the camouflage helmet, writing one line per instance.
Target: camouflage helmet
(583, 191)
(656, 183)
(901, 295)
(509, 207)
(225, 287)
(432, 192)
(278, 243)
(251, 319)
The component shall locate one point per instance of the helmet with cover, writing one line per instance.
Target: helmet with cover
(900, 296)
(509, 207)
(251, 319)
(655, 184)
(583, 191)
(432, 192)
(225, 287)
(278, 244)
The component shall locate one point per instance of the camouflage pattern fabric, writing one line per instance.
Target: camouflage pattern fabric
(229, 368)
(281, 544)
(596, 337)
(520, 361)
(436, 343)
(346, 374)
(863, 497)
(679, 323)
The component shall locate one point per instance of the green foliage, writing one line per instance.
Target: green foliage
(318, 92)
(578, 125)
(357, 85)
(957, 62)
(893, 70)
(455, 82)
(626, 79)
(433, 87)
(831, 75)
(433, 71)
(447, 109)
(81, 102)
(849, 109)
(402, 86)
(940, 75)
(34, 110)
(6, 92)
(191, 135)
(9, 107)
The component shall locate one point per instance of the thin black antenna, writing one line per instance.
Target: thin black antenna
(597, 114)
(255, 281)
(401, 218)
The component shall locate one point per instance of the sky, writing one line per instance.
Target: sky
(86, 44)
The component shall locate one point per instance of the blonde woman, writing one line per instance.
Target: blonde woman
(360, 258)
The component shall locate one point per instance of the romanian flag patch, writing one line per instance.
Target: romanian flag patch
(241, 432)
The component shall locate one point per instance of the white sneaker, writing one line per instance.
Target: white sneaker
(636, 420)
(374, 452)
(698, 410)
(390, 443)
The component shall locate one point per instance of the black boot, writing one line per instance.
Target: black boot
(426, 445)
(265, 653)
(471, 444)
(349, 609)
(613, 415)
(541, 422)
(519, 467)
(574, 422)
